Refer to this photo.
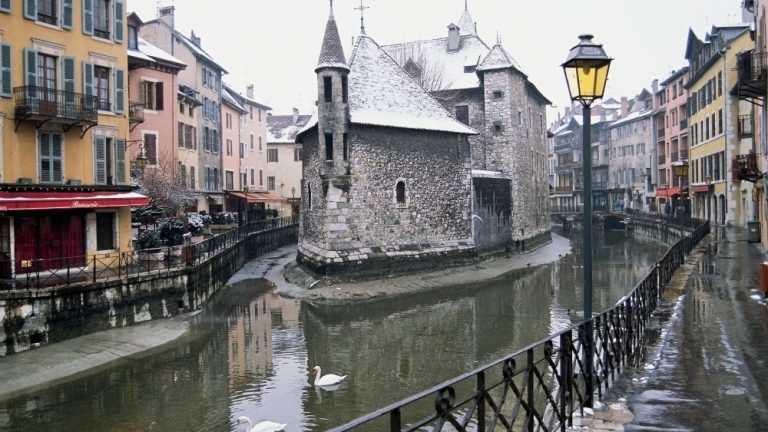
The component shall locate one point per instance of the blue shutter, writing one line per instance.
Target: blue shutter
(30, 67)
(68, 84)
(88, 79)
(88, 17)
(66, 14)
(120, 160)
(100, 159)
(5, 70)
(56, 158)
(30, 9)
(119, 91)
(45, 157)
(118, 34)
(5, 6)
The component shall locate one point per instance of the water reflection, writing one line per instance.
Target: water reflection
(252, 352)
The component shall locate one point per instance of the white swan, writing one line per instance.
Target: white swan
(327, 380)
(265, 426)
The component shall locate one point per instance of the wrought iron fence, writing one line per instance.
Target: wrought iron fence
(541, 386)
(56, 272)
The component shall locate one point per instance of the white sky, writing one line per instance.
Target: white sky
(274, 44)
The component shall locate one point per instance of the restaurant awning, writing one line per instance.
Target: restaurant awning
(18, 201)
(667, 192)
(700, 188)
(255, 197)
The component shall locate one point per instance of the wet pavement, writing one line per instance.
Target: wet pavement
(706, 361)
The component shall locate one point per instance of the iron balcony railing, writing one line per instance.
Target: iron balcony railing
(753, 74)
(62, 272)
(662, 159)
(35, 102)
(745, 126)
(683, 155)
(744, 167)
(660, 134)
(674, 156)
(683, 124)
(542, 386)
(136, 114)
(563, 189)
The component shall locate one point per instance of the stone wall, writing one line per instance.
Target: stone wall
(40, 316)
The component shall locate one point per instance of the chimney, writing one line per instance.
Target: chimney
(249, 91)
(624, 107)
(655, 86)
(166, 15)
(454, 37)
(295, 116)
(195, 40)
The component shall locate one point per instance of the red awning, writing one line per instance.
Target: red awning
(699, 188)
(256, 197)
(667, 192)
(16, 201)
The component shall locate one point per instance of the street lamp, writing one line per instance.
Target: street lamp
(586, 73)
(293, 200)
(680, 168)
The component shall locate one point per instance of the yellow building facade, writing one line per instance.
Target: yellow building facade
(65, 187)
(714, 139)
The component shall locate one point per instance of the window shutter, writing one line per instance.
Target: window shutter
(5, 70)
(66, 14)
(88, 79)
(100, 159)
(30, 67)
(45, 158)
(120, 160)
(118, 34)
(119, 91)
(5, 6)
(88, 17)
(68, 84)
(159, 96)
(30, 9)
(150, 148)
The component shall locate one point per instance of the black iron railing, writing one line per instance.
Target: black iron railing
(136, 114)
(744, 167)
(541, 386)
(35, 101)
(60, 272)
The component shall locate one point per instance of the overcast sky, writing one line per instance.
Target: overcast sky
(274, 44)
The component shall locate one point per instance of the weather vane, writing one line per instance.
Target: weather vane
(362, 16)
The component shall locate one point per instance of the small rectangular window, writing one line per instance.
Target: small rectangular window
(498, 94)
(271, 155)
(328, 89)
(345, 146)
(105, 231)
(270, 183)
(344, 89)
(329, 147)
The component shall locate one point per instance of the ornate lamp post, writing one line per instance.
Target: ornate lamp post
(586, 73)
(293, 201)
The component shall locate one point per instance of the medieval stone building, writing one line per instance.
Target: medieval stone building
(392, 181)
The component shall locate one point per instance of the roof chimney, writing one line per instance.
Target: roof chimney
(454, 37)
(295, 116)
(624, 107)
(166, 15)
(195, 40)
(249, 91)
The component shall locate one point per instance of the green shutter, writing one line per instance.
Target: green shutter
(120, 160)
(66, 14)
(68, 84)
(119, 18)
(5, 6)
(100, 159)
(88, 17)
(30, 9)
(30, 67)
(88, 79)
(119, 91)
(56, 159)
(5, 70)
(45, 157)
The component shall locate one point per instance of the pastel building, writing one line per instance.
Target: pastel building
(65, 191)
(286, 167)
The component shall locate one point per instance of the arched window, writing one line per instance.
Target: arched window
(400, 192)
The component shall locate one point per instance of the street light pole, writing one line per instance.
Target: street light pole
(586, 73)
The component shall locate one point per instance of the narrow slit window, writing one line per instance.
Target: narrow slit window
(329, 147)
(328, 89)
(400, 192)
(344, 89)
(346, 147)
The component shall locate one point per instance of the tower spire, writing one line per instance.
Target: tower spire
(466, 7)
(362, 16)
(331, 52)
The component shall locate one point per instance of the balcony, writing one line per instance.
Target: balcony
(753, 75)
(683, 155)
(744, 167)
(660, 134)
(662, 159)
(560, 148)
(745, 126)
(683, 125)
(674, 157)
(599, 185)
(135, 114)
(563, 189)
(42, 105)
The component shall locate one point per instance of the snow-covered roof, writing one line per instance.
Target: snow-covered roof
(230, 99)
(198, 51)
(466, 23)
(382, 93)
(282, 129)
(156, 53)
(499, 58)
(458, 67)
(637, 115)
(139, 55)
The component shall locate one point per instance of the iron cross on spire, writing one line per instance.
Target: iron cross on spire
(362, 16)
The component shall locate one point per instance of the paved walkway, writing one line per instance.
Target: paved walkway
(42, 366)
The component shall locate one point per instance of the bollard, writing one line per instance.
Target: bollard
(764, 278)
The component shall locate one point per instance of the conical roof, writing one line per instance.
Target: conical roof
(331, 53)
(466, 23)
(498, 58)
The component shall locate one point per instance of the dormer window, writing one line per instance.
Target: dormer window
(133, 38)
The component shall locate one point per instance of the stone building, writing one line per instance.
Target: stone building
(393, 181)
(485, 88)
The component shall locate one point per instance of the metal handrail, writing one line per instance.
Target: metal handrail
(541, 386)
(46, 102)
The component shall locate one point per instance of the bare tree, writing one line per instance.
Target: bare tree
(166, 188)
(429, 72)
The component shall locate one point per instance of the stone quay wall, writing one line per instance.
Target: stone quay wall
(34, 317)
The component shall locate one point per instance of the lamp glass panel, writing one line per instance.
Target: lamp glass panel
(573, 82)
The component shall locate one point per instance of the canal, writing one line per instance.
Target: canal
(251, 352)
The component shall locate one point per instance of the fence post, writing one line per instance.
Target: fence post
(566, 381)
(94, 268)
(480, 400)
(530, 400)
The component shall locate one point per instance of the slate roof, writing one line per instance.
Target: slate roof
(229, 98)
(499, 58)
(157, 54)
(381, 93)
(466, 24)
(281, 129)
(196, 50)
(331, 53)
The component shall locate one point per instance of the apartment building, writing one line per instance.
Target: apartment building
(285, 160)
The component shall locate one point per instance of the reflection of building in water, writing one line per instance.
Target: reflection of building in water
(249, 340)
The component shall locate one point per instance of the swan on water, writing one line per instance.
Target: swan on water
(328, 379)
(265, 426)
